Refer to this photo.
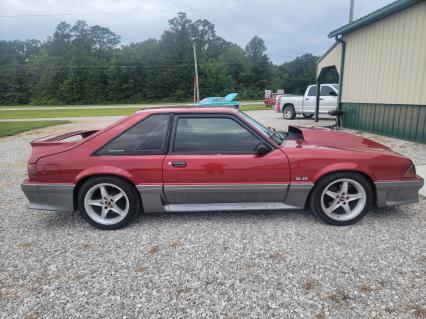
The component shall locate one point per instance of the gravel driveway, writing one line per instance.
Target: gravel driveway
(207, 265)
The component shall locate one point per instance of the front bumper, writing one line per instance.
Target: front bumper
(398, 193)
(52, 196)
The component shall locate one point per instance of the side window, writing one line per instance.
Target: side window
(326, 90)
(312, 91)
(146, 137)
(213, 135)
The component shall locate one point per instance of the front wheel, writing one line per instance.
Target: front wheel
(108, 202)
(289, 113)
(342, 198)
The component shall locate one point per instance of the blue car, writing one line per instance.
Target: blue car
(220, 101)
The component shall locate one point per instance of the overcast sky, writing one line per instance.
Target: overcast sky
(289, 27)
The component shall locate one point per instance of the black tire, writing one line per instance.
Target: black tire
(307, 116)
(325, 182)
(132, 199)
(289, 113)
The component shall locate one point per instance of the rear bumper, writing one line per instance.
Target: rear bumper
(398, 193)
(49, 196)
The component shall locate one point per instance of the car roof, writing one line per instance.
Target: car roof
(189, 109)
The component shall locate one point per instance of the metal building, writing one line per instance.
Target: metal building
(381, 61)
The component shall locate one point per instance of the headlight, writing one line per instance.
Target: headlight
(410, 172)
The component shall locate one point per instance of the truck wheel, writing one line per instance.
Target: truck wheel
(289, 113)
(307, 115)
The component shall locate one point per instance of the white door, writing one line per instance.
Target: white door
(328, 99)
(309, 100)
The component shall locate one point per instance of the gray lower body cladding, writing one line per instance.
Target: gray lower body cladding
(398, 193)
(58, 197)
(223, 197)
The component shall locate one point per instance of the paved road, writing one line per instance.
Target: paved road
(123, 106)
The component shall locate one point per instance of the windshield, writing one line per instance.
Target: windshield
(269, 132)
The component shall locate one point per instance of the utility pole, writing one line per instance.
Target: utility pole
(351, 11)
(196, 72)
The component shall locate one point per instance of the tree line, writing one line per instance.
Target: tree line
(82, 64)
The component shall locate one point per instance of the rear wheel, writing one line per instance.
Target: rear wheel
(108, 202)
(307, 115)
(342, 198)
(289, 113)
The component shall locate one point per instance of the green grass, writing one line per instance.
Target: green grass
(27, 114)
(136, 105)
(254, 107)
(12, 128)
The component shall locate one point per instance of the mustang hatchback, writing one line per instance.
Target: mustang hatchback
(213, 159)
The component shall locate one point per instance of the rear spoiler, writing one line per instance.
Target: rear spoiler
(58, 139)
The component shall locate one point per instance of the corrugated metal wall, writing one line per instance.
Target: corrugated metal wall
(385, 62)
(402, 121)
(330, 59)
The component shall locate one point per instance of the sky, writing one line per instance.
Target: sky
(290, 28)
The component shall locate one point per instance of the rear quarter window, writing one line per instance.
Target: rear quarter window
(146, 137)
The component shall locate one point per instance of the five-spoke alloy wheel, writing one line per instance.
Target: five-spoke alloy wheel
(108, 202)
(341, 198)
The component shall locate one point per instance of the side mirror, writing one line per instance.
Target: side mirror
(332, 93)
(262, 149)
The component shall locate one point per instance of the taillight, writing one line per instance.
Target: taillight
(32, 169)
(410, 172)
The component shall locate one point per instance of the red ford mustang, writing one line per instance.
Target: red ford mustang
(213, 159)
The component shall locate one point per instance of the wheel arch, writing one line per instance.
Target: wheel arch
(85, 178)
(330, 172)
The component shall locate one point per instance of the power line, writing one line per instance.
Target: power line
(273, 4)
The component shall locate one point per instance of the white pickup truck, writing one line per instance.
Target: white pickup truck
(290, 105)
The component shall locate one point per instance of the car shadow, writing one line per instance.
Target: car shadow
(226, 215)
(55, 220)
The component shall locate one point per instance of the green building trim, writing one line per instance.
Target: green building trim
(395, 120)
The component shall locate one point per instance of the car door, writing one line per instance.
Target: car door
(212, 160)
(309, 100)
(328, 99)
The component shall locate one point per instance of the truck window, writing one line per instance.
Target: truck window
(312, 91)
(326, 90)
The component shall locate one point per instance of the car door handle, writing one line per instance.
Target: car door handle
(321, 99)
(307, 99)
(179, 164)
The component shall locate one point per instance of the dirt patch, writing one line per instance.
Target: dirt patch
(140, 269)
(338, 296)
(27, 246)
(418, 311)
(154, 249)
(310, 284)
(175, 243)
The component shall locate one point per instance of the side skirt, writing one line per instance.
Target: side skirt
(227, 207)
(154, 200)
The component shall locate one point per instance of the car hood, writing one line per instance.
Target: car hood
(318, 136)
